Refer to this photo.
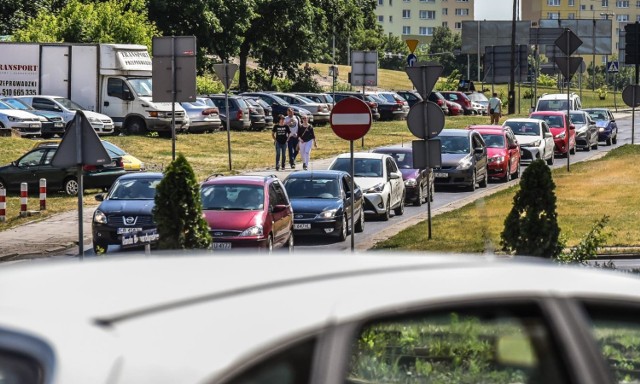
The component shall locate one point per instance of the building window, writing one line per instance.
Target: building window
(445, 24)
(406, 13)
(407, 1)
(637, 4)
(553, 3)
(391, 3)
(572, 3)
(571, 16)
(380, 2)
(380, 19)
(622, 18)
(426, 31)
(427, 15)
(391, 19)
(406, 30)
(605, 3)
(622, 3)
(458, 25)
(637, 19)
(462, 1)
(428, 1)
(445, 11)
(462, 12)
(553, 15)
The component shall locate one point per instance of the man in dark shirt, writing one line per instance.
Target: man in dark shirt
(280, 134)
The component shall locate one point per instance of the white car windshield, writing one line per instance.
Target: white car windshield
(70, 105)
(142, 86)
(363, 167)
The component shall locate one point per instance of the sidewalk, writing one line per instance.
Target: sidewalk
(58, 234)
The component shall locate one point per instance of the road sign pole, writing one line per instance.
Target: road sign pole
(633, 114)
(566, 134)
(226, 106)
(353, 173)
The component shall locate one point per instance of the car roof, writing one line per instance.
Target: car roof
(455, 132)
(240, 179)
(328, 173)
(488, 128)
(393, 149)
(363, 155)
(555, 113)
(557, 96)
(523, 120)
(141, 175)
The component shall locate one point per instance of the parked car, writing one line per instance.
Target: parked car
(129, 162)
(321, 318)
(268, 111)
(557, 122)
(247, 211)
(464, 159)
(393, 97)
(503, 151)
(437, 98)
(535, 139)
(606, 123)
(372, 103)
(321, 202)
(558, 102)
(418, 183)
(257, 114)
(65, 108)
(126, 209)
(202, 118)
(52, 124)
(36, 164)
(378, 175)
(388, 110)
(586, 130)
(320, 111)
(239, 118)
(280, 106)
(460, 98)
(22, 122)
(412, 97)
(481, 100)
(319, 98)
(455, 109)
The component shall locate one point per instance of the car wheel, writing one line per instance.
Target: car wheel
(387, 212)
(615, 139)
(587, 148)
(290, 243)
(551, 159)
(270, 244)
(472, 187)
(517, 174)
(419, 198)
(507, 176)
(100, 247)
(399, 211)
(595, 146)
(360, 224)
(485, 180)
(607, 141)
(70, 186)
(135, 126)
(342, 235)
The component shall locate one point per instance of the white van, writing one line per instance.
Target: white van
(558, 102)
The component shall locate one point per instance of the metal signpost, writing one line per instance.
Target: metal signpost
(614, 67)
(226, 73)
(364, 71)
(631, 97)
(350, 119)
(425, 121)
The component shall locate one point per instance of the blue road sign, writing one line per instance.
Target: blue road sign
(613, 66)
(411, 60)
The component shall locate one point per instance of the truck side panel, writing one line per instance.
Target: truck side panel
(19, 69)
(84, 75)
(54, 70)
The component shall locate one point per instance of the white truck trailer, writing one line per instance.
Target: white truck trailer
(113, 79)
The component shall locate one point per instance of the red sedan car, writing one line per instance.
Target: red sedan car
(503, 151)
(557, 120)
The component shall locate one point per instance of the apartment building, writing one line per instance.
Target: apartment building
(417, 19)
(620, 11)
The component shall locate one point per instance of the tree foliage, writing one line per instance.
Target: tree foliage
(110, 21)
(16, 13)
(443, 47)
(178, 209)
(531, 228)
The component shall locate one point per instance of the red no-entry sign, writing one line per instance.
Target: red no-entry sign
(350, 118)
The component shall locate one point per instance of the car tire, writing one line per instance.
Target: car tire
(342, 235)
(507, 176)
(290, 242)
(614, 140)
(387, 212)
(607, 141)
(472, 187)
(70, 186)
(360, 224)
(100, 247)
(587, 148)
(551, 159)
(485, 179)
(517, 174)
(135, 126)
(270, 244)
(399, 211)
(419, 198)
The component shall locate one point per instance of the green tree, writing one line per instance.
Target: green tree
(110, 21)
(394, 45)
(15, 13)
(531, 228)
(443, 47)
(178, 209)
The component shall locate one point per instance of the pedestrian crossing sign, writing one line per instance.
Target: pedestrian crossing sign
(612, 66)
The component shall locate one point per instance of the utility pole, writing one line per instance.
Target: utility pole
(512, 81)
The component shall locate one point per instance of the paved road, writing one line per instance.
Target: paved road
(55, 235)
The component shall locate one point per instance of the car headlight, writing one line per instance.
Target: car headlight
(14, 119)
(99, 217)
(496, 159)
(465, 162)
(328, 214)
(601, 129)
(94, 120)
(42, 118)
(375, 189)
(561, 135)
(410, 183)
(256, 230)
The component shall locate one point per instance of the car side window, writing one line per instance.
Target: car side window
(281, 196)
(545, 128)
(391, 166)
(115, 87)
(346, 184)
(19, 369)
(477, 344)
(477, 141)
(43, 104)
(31, 158)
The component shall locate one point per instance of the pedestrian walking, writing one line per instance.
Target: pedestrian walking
(292, 122)
(280, 134)
(307, 138)
(495, 108)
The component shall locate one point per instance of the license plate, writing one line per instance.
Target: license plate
(221, 245)
(120, 231)
(301, 226)
(441, 175)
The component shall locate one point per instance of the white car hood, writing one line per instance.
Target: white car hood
(19, 114)
(97, 115)
(161, 106)
(527, 139)
(368, 182)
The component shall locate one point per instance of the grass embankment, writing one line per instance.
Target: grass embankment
(592, 189)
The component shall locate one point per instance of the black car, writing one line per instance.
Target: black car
(412, 97)
(388, 110)
(256, 114)
(52, 124)
(36, 165)
(266, 108)
(373, 104)
(127, 208)
(418, 183)
(280, 106)
(239, 115)
(321, 202)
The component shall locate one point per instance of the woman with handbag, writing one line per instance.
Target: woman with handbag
(307, 138)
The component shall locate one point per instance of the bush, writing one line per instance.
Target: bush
(547, 81)
(178, 209)
(588, 246)
(207, 85)
(531, 228)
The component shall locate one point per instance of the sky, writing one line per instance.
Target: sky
(493, 9)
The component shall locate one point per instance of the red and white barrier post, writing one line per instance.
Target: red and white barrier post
(23, 199)
(43, 194)
(3, 205)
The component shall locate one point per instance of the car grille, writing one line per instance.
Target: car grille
(106, 121)
(118, 220)
(55, 119)
(223, 233)
(302, 216)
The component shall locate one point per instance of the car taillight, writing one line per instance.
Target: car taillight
(89, 168)
(372, 105)
(440, 102)
(208, 111)
(397, 107)
(239, 115)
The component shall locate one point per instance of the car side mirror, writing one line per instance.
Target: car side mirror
(547, 134)
(99, 197)
(478, 150)
(126, 93)
(393, 175)
(513, 146)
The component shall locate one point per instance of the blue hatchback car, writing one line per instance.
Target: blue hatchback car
(127, 208)
(606, 123)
